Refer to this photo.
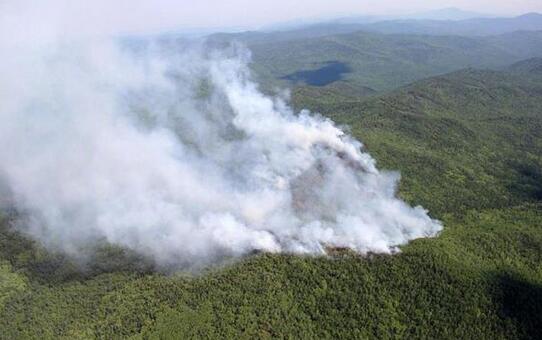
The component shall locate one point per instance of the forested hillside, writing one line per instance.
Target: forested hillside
(469, 148)
(382, 62)
(473, 137)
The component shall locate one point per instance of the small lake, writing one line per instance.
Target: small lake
(332, 71)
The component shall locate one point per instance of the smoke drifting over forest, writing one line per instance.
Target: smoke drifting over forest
(170, 150)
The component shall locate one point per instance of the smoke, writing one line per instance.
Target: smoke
(170, 150)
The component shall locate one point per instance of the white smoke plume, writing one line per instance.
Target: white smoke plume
(170, 150)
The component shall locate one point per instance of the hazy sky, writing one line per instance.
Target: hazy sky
(109, 16)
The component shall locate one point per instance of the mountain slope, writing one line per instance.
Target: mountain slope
(470, 139)
(469, 148)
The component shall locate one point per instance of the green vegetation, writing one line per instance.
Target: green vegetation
(469, 147)
(480, 279)
(382, 62)
(470, 139)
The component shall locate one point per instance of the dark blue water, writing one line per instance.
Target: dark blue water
(331, 72)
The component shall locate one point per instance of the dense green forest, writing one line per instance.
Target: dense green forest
(469, 147)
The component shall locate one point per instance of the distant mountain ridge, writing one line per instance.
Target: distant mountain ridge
(468, 27)
(450, 13)
(531, 67)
